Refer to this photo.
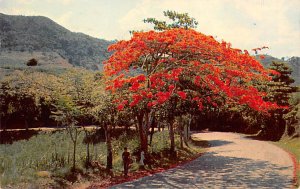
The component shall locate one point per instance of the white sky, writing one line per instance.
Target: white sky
(246, 24)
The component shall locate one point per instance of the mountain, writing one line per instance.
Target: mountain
(22, 37)
(293, 63)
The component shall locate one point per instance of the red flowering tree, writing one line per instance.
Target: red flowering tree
(182, 65)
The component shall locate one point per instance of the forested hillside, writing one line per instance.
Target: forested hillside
(28, 34)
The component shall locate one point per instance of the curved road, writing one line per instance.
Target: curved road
(232, 161)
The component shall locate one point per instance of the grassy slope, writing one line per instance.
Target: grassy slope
(293, 146)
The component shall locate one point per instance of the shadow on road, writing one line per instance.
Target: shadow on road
(212, 171)
(211, 143)
(215, 143)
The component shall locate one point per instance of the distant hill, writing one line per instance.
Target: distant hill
(293, 63)
(27, 35)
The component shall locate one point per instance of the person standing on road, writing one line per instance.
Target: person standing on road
(126, 161)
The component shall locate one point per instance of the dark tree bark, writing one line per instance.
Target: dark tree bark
(172, 136)
(74, 154)
(153, 125)
(87, 161)
(143, 132)
(109, 156)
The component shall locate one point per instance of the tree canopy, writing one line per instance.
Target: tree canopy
(208, 69)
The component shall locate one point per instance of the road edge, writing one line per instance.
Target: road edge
(295, 165)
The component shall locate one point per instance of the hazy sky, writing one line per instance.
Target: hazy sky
(245, 23)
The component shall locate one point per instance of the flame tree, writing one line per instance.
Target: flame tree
(182, 65)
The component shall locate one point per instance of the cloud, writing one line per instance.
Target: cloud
(246, 24)
(64, 2)
(20, 11)
(64, 19)
(25, 1)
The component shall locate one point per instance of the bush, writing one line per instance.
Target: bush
(32, 62)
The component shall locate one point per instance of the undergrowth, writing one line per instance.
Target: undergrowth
(45, 159)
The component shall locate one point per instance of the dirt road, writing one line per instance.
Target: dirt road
(232, 161)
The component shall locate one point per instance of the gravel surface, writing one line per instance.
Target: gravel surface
(232, 161)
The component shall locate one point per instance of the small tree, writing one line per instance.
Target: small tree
(73, 102)
(279, 91)
(104, 112)
(66, 113)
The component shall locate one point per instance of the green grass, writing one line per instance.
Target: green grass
(293, 146)
(48, 151)
(23, 163)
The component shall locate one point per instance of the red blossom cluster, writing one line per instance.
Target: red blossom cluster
(171, 56)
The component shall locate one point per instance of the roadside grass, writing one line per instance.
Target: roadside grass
(24, 160)
(293, 146)
(44, 160)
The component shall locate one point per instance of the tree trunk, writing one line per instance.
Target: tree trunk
(73, 132)
(0, 121)
(172, 136)
(186, 134)
(88, 154)
(74, 154)
(109, 157)
(127, 129)
(26, 124)
(136, 127)
(87, 163)
(180, 128)
(143, 133)
(181, 139)
(152, 130)
(282, 127)
(4, 123)
(285, 134)
(286, 130)
(187, 130)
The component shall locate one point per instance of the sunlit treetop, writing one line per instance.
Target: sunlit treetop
(185, 64)
(179, 20)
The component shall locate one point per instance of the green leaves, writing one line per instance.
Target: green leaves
(77, 94)
(279, 89)
(180, 20)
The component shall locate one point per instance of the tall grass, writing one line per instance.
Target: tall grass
(52, 152)
(20, 161)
